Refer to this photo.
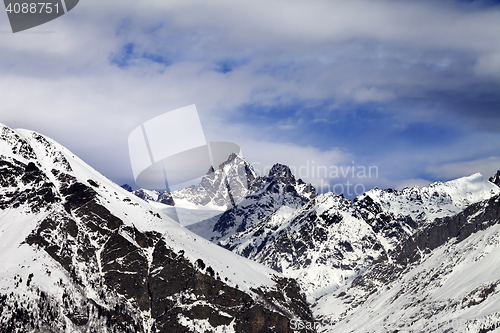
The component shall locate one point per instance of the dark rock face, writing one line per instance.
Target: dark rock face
(125, 269)
(176, 289)
(35, 188)
(282, 173)
(496, 178)
(127, 187)
(476, 217)
(16, 143)
(388, 224)
(166, 198)
(141, 193)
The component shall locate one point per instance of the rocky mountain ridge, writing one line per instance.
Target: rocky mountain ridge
(279, 190)
(223, 186)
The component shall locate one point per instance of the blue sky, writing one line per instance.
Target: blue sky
(411, 87)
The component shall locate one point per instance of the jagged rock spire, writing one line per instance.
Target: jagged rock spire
(496, 178)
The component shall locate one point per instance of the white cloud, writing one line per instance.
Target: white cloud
(263, 155)
(63, 83)
(282, 23)
(486, 166)
(399, 185)
(488, 65)
(373, 95)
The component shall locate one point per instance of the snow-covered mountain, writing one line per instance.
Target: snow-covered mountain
(217, 191)
(321, 244)
(419, 206)
(331, 240)
(80, 254)
(278, 191)
(342, 252)
(444, 278)
(416, 260)
(221, 187)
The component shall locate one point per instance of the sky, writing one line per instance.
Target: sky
(351, 94)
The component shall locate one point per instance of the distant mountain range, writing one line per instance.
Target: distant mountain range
(258, 253)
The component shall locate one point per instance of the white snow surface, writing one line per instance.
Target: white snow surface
(457, 286)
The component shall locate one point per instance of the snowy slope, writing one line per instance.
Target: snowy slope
(187, 213)
(454, 287)
(78, 252)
